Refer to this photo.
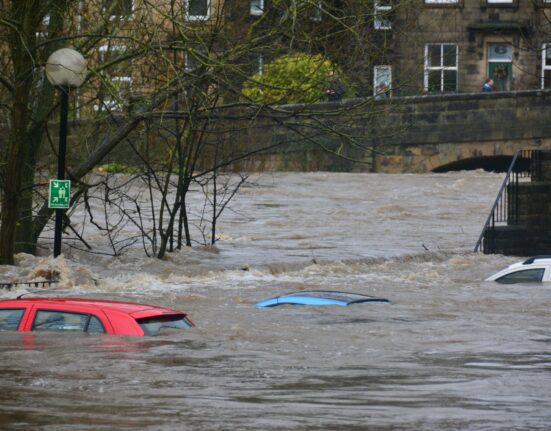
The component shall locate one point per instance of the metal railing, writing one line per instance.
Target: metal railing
(525, 164)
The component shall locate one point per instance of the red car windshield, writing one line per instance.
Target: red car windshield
(160, 324)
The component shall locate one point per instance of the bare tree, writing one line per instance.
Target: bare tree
(165, 94)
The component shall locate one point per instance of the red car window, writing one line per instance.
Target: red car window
(10, 318)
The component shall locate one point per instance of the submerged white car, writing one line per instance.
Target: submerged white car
(536, 269)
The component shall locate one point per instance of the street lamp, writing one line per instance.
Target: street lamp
(65, 68)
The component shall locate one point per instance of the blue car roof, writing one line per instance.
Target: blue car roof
(320, 297)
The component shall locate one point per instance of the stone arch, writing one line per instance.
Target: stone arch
(493, 163)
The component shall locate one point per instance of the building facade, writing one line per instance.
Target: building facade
(455, 45)
(395, 47)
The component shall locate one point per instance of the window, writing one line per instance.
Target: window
(440, 68)
(381, 19)
(500, 1)
(382, 82)
(546, 65)
(257, 7)
(44, 27)
(198, 9)
(118, 9)
(51, 320)
(260, 63)
(316, 11)
(191, 61)
(161, 324)
(118, 86)
(525, 276)
(10, 318)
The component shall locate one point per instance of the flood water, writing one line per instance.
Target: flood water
(450, 352)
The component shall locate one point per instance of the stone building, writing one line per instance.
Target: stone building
(455, 45)
(402, 47)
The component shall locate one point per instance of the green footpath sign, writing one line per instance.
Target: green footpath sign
(60, 194)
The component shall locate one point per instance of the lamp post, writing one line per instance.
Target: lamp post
(65, 69)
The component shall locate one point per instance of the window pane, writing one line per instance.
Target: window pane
(121, 8)
(117, 88)
(198, 7)
(450, 57)
(501, 52)
(434, 56)
(547, 78)
(156, 325)
(95, 326)
(526, 276)
(434, 81)
(382, 81)
(315, 12)
(10, 318)
(382, 15)
(257, 7)
(48, 320)
(548, 55)
(450, 80)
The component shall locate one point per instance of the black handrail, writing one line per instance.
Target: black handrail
(508, 193)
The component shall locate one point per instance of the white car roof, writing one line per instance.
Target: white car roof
(533, 262)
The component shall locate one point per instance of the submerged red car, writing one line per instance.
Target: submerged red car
(88, 315)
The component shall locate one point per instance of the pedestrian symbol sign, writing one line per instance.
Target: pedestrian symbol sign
(60, 194)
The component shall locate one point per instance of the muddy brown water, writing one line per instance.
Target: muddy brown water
(450, 352)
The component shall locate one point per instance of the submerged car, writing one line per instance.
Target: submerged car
(536, 269)
(319, 297)
(89, 315)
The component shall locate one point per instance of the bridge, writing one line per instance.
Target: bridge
(465, 131)
(416, 134)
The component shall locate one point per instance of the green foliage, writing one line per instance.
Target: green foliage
(295, 78)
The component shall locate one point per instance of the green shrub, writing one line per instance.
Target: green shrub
(295, 78)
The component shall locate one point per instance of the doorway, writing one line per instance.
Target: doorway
(500, 65)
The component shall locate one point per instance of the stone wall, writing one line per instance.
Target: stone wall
(528, 228)
(440, 130)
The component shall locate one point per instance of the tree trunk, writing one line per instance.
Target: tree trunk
(17, 150)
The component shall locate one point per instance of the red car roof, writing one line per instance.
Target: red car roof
(132, 308)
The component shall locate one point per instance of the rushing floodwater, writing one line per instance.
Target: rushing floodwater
(451, 352)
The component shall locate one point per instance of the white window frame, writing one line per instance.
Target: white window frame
(111, 104)
(257, 11)
(190, 17)
(441, 68)
(122, 17)
(441, 1)
(381, 20)
(500, 1)
(376, 73)
(545, 66)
